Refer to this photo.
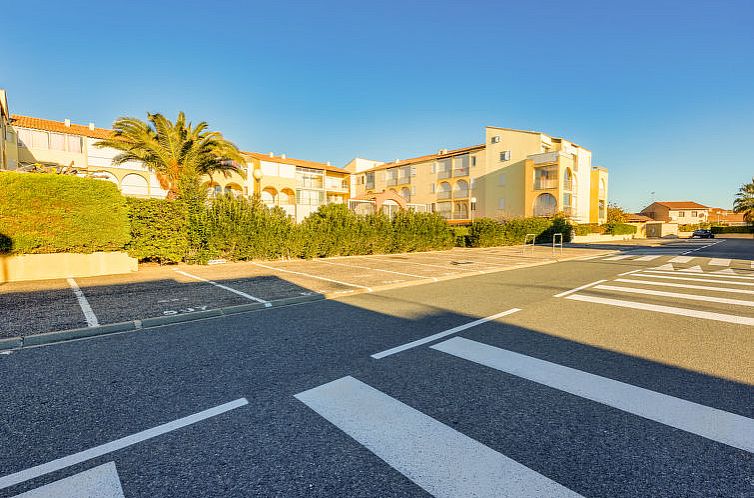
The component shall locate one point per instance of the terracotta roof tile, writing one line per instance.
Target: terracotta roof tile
(296, 162)
(429, 157)
(58, 126)
(682, 205)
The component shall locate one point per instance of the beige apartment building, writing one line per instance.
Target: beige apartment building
(513, 173)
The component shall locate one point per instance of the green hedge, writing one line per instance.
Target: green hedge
(487, 232)
(47, 213)
(589, 228)
(735, 229)
(619, 229)
(158, 230)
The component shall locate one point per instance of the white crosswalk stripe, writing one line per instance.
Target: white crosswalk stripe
(647, 258)
(618, 258)
(681, 259)
(719, 262)
(438, 458)
(712, 423)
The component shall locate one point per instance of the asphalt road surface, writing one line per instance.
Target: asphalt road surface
(622, 375)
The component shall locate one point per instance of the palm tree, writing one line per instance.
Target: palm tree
(175, 152)
(744, 202)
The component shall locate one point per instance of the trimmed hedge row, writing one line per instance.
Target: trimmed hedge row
(608, 229)
(46, 213)
(735, 229)
(487, 232)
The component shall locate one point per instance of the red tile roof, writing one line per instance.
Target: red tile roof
(637, 218)
(682, 205)
(58, 126)
(429, 157)
(296, 162)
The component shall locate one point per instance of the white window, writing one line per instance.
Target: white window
(505, 155)
(681, 214)
(74, 143)
(501, 203)
(694, 214)
(501, 180)
(57, 141)
(413, 170)
(495, 139)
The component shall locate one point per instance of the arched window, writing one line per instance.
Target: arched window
(545, 205)
(461, 190)
(444, 191)
(269, 196)
(133, 184)
(567, 179)
(406, 194)
(461, 211)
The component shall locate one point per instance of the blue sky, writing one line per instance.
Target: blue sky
(660, 91)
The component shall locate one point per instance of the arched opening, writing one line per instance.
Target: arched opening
(390, 207)
(269, 196)
(461, 211)
(234, 189)
(461, 190)
(287, 201)
(545, 205)
(444, 190)
(133, 184)
(213, 189)
(567, 179)
(406, 194)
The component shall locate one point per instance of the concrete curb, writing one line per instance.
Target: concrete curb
(148, 323)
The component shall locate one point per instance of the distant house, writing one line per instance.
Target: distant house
(637, 218)
(721, 216)
(683, 212)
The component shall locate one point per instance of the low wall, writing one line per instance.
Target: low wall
(63, 265)
(599, 237)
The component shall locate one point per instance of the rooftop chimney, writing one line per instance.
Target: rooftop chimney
(282, 156)
(442, 151)
(328, 163)
(68, 122)
(272, 154)
(91, 126)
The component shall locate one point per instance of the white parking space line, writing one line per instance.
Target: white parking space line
(629, 272)
(702, 274)
(442, 334)
(752, 265)
(711, 423)
(685, 286)
(99, 482)
(681, 259)
(677, 295)
(693, 279)
(436, 457)
(82, 456)
(313, 276)
(701, 247)
(671, 310)
(89, 316)
(225, 287)
(719, 262)
(581, 287)
(618, 258)
(377, 269)
(427, 264)
(647, 258)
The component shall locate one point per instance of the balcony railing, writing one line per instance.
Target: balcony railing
(444, 195)
(545, 183)
(460, 194)
(461, 172)
(444, 173)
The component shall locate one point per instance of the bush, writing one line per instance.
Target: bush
(620, 229)
(460, 235)
(486, 232)
(47, 213)
(335, 230)
(414, 231)
(159, 230)
(589, 228)
(735, 229)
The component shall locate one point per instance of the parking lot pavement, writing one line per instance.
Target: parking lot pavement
(154, 291)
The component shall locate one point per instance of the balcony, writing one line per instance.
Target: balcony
(460, 172)
(337, 186)
(545, 157)
(568, 185)
(444, 173)
(401, 180)
(444, 195)
(545, 183)
(461, 194)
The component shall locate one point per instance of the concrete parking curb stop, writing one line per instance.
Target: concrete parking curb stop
(41, 339)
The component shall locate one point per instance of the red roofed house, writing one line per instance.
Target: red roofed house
(683, 212)
(720, 216)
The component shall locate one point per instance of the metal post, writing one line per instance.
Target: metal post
(526, 241)
(559, 238)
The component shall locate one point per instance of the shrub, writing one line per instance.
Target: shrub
(589, 228)
(159, 230)
(486, 232)
(413, 231)
(582, 230)
(620, 229)
(335, 230)
(460, 235)
(734, 229)
(47, 213)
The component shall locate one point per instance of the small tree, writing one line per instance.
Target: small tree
(615, 214)
(744, 202)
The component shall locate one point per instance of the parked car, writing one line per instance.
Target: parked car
(703, 234)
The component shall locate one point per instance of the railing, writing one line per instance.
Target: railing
(460, 194)
(568, 185)
(444, 195)
(544, 184)
(392, 182)
(444, 173)
(461, 172)
(460, 216)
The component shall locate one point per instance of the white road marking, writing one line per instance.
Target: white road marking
(715, 275)
(701, 247)
(694, 279)
(436, 457)
(686, 286)
(681, 259)
(91, 318)
(97, 451)
(444, 333)
(647, 258)
(727, 271)
(667, 266)
(225, 287)
(587, 258)
(692, 269)
(618, 258)
(100, 482)
(377, 269)
(429, 264)
(719, 262)
(752, 265)
(711, 423)
(313, 276)
(671, 310)
(582, 287)
(629, 272)
(677, 295)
